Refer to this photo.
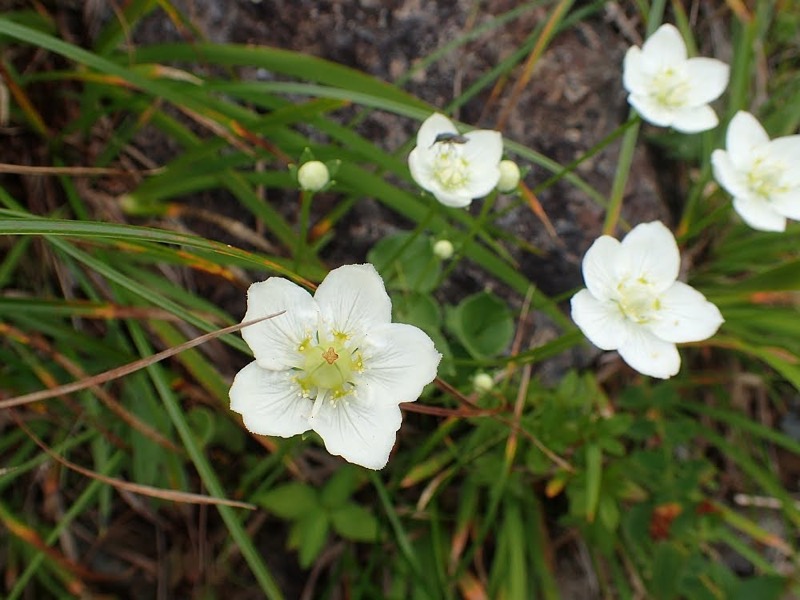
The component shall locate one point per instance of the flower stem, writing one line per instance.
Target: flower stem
(621, 179)
(302, 235)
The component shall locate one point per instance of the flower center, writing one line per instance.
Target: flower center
(450, 168)
(637, 300)
(671, 88)
(329, 368)
(765, 178)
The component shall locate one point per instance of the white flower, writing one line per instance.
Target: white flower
(455, 168)
(443, 249)
(669, 90)
(509, 176)
(634, 304)
(334, 363)
(313, 175)
(763, 176)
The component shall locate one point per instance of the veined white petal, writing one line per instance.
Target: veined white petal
(651, 111)
(651, 254)
(269, 402)
(708, 78)
(362, 430)
(353, 299)
(275, 342)
(744, 135)
(602, 322)
(421, 167)
(787, 203)
(455, 199)
(787, 150)
(650, 355)
(635, 79)
(665, 45)
(727, 175)
(483, 179)
(431, 127)
(695, 119)
(601, 265)
(685, 315)
(484, 146)
(399, 360)
(759, 214)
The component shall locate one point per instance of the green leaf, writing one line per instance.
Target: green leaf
(340, 488)
(483, 324)
(290, 501)
(355, 522)
(765, 587)
(308, 535)
(406, 262)
(667, 570)
(594, 477)
(417, 309)
(608, 511)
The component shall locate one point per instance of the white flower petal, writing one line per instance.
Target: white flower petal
(353, 299)
(601, 267)
(483, 179)
(726, 174)
(483, 146)
(269, 402)
(652, 111)
(601, 322)
(432, 126)
(274, 342)
(651, 253)
(708, 78)
(421, 167)
(635, 79)
(665, 45)
(362, 430)
(787, 150)
(695, 119)
(787, 203)
(456, 199)
(650, 355)
(744, 135)
(399, 360)
(685, 315)
(759, 214)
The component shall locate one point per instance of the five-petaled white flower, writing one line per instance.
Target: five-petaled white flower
(670, 90)
(334, 363)
(763, 176)
(455, 168)
(634, 304)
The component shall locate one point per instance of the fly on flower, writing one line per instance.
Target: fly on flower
(454, 167)
(450, 138)
(333, 363)
(634, 304)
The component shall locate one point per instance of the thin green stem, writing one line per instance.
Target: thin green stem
(302, 236)
(621, 179)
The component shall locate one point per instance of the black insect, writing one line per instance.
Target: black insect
(449, 138)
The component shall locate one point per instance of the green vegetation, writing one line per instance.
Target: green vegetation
(646, 488)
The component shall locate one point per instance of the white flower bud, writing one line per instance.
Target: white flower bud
(483, 382)
(443, 249)
(509, 176)
(313, 176)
